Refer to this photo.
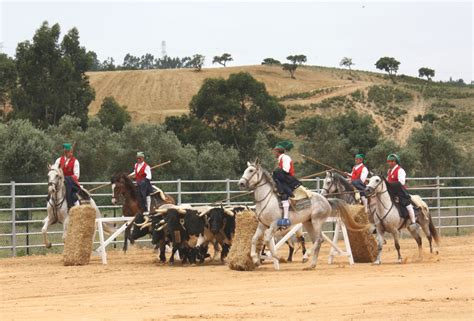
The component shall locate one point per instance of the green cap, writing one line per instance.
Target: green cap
(393, 157)
(67, 146)
(359, 156)
(286, 145)
(141, 154)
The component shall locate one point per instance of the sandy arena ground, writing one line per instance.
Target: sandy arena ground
(134, 287)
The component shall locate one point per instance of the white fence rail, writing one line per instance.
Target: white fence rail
(23, 206)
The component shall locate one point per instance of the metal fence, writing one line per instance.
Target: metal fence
(23, 206)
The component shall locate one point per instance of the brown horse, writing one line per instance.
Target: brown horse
(125, 192)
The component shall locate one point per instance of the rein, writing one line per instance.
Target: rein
(55, 205)
(377, 196)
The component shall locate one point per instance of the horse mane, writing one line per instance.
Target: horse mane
(268, 177)
(340, 179)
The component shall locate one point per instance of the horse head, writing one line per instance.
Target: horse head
(121, 186)
(251, 176)
(375, 186)
(55, 179)
(329, 184)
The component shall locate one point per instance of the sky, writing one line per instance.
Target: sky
(434, 34)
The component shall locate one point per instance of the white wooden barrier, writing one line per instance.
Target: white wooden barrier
(334, 251)
(101, 250)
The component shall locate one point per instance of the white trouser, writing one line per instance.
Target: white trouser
(286, 207)
(148, 203)
(411, 213)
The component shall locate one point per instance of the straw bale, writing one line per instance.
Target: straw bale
(239, 256)
(363, 243)
(80, 233)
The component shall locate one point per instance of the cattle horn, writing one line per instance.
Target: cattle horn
(228, 212)
(203, 213)
(181, 211)
(145, 222)
(161, 227)
(145, 226)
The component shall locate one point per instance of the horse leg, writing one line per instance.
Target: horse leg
(396, 240)
(317, 238)
(44, 230)
(380, 242)
(303, 248)
(291, 251)
(269, 234)
(256, 237)
(426, 229)
(417, 238)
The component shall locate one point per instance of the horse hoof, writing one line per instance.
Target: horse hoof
(309, 268)
(48, 246)
(281, 260)
(304, 260)
(400, 261)
(377, 262)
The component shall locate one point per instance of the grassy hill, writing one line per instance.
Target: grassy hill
(152, 95)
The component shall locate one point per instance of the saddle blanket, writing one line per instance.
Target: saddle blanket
(301, 199)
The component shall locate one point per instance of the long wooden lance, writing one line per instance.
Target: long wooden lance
(325, 165)
(129, 175)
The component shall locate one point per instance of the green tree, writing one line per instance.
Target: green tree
(147, 61)
(346, 62)
(270, 62)
(223, 59)
(196, 62)
(291, 68)
(52, 79)
(113, 115)
(438, 153)
(389, 65)
(190, 130)
(26, 152)
(108, 64)
(8, 77)
(94, 61)
(297, 59)
(237, 109)
(131, 62)
(426, 72)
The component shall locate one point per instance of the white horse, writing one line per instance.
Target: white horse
(268, 212)
(57, 205)
(387, 218)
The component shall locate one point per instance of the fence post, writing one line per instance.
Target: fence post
(318, 185)
(227, 189)
(178, 187)
(13, 207)
(438, 203)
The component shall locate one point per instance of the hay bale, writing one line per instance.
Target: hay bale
(363, 244)
(80, 231)
(239, 256)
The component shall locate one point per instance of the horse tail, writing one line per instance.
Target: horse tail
(342, 211)
(433, 230)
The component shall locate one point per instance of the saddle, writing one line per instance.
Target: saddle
(83, 196)
(158, 192)
(301, 198)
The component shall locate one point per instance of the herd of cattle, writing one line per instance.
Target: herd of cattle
(190, 231)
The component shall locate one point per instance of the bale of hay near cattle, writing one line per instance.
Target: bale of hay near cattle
(239, 256)
(363, 243)
(80, 231)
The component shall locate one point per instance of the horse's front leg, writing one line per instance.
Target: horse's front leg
(44, 230)
(380, 241)
(253, 249)
(269, 234)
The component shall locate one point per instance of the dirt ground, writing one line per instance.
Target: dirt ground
(135, 287)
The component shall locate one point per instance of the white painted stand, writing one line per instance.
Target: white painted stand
(334, 251)
(101, 250)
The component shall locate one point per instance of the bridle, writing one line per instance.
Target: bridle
(55, 205)
(377, 195)
(328, 190)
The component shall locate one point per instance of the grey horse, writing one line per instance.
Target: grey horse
(387, 218)
(257, 179)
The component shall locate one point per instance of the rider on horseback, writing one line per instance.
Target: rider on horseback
(397, 176)
(70, 167)
(284, 178)
(142, 173)
(358, 177)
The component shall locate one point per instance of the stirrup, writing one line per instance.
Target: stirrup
(283, 222)
(413, 227)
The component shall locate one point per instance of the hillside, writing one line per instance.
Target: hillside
(152, 95)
